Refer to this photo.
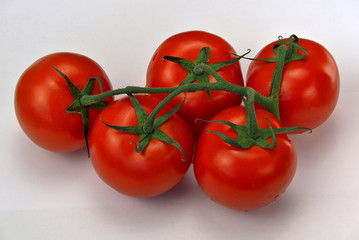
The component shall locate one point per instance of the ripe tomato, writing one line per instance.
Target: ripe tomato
(309, 88)
(168, 74)
(243, 179)
(153, 171)
(42, 97)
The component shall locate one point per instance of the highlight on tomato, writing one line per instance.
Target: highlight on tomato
(43, 98)
(309, 88)
(243, 178)
(188, 45)
(132, 169)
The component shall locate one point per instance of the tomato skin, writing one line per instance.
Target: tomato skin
(309, 88)
(152, 172)
(42, 97)
(243, 179)
(168, 74)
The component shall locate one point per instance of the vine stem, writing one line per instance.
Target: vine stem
(277, 78)
(251, 122)
(285, 51)
(222, 85)
(269, 103)
(90, 99)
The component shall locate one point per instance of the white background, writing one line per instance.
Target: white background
(45, 195)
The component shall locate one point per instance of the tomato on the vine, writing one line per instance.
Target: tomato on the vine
(155, 170)
(309, 87)
(238, 178)
(187, 45)
(42, 97)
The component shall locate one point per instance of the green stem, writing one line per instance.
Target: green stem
(277, 78)
(149, 124)
(251, 122)
(221, 85)
(90, 99)
(267, 102)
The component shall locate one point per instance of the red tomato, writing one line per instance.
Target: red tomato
(243, 179)
(168, 74)
(157, 168)
(309, 88)
(42, 97)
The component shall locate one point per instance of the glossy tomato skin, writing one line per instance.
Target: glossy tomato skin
(243, 179)
(42, 97)
(152, 172)
(168, 74)
(309, 88)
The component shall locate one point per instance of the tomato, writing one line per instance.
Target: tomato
(156, 169)
(168, 74)
(243, 179)
(309, 88)
(42, 97)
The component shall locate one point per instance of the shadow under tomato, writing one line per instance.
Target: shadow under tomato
(182, 190)
(314, 147)
(35, 162)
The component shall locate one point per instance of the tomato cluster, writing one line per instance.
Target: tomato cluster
(143, 149)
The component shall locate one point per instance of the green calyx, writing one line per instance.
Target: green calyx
(250, 134)
(77, 107)
(145, 134)
(286, 51)
(243, 140)
(194, 69)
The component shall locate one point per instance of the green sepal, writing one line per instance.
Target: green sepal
(86, 127)
(189, 66)
(203, 56)
(290, 46)
(276, 131)
(243, 140)
(127, 129)
(293, 47)
(220, 65)
(143, 142)
(140, 112)
(162, 119)
(76, 106)
(160, 135)
(195, 72)
(185, 63)
(74, 90)
(145, 135)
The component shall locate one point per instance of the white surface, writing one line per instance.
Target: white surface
(44, 195)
